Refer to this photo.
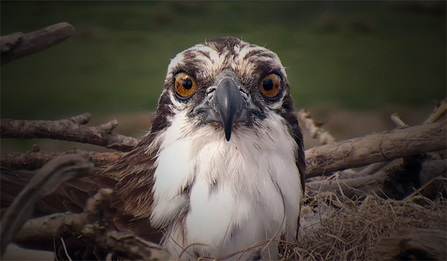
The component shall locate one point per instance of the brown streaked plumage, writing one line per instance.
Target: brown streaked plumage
(227, 145)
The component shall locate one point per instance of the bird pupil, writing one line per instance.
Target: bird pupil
(267, 84)
(187, 83)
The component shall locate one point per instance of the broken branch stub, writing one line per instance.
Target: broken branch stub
(17, 45)
(71, 129)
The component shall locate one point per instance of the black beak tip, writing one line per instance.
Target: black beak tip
(227, 133)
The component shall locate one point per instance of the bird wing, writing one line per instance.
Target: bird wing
(131, 178)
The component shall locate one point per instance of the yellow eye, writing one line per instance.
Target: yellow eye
(185, 85)
(270, 85)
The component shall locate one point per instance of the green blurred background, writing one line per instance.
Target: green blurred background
(356, 55)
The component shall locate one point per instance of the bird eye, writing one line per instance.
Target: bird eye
(185, 85)
(270, 85)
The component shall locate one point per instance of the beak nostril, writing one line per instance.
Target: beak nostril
(227, 102)
(210, 89)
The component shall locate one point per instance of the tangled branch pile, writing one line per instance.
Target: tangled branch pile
(348, 229)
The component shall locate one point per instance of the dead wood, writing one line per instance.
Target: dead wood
(394, 182)
(17, 45)
(45, 182)
(438, 112)
(413, 244)
(321, 160)
(90, 226)
(314, 128)
(398, 121)
(384, 146)
(72, 129)
(335, 227)
(30, 160)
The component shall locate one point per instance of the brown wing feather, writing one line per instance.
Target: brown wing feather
(288, 114)
(131, 178)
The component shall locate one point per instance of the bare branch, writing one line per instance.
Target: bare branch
(373, 168)
(320, 160)
(439, 111)
(72, 129)
(417, 243)
(376, 184)
(398, 121)
(89, 225)
(377, 147)
(45, 182)
(314, 128)
(31, 160)
(17, 45)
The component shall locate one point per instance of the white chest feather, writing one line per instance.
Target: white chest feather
(228, 195)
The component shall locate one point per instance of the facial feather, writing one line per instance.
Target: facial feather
(203, 188)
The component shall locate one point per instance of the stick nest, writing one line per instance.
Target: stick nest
(335, 227)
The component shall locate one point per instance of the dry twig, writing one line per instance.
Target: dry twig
(315, 129)
(413, 243)
(89, 226)
(377, 147)
(17, 45)
(439, 111)
(350, 229)
(45, 182)
(320, 160)
(72, 129)
(379, 183)
(31, 160)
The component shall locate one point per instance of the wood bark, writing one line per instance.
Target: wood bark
(314, 128)
(45, 182)
(321, 160)
(72, 129)
(412, 244)
(17, 45)
(384, 146)
(380, 182)
(30, 160)
(90, 226)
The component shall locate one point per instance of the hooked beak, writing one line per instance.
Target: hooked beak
(227, 102)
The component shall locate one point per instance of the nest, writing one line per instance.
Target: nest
(335, 227)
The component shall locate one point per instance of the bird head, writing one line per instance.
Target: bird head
(224, 135)
(225, 83)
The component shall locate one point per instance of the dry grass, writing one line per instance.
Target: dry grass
(338, 228)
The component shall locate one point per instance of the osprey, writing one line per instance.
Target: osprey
(221, 172)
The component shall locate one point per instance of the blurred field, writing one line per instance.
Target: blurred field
(353, 55)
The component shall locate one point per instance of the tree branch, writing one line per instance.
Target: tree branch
(439, 111)
(320, 160)
(90, 226)
(412, 243)
(30, 160)
(17, 45)
(315, 129)
(377, 147)
(72, 129)
(379, 182)
(45, 182)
